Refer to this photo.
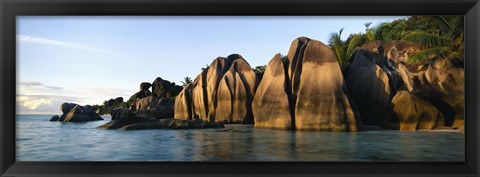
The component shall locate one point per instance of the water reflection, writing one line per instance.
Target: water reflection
(38, 139)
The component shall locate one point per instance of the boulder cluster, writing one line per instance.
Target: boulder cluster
(153, 109)
(305, 90)
(394, 94)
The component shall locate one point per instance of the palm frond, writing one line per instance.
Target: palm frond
(393, 31)
(427, 39)
(456, 54)
(428, 53)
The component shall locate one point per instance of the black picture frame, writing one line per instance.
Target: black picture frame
(9, 9)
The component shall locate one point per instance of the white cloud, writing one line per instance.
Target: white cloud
(73, 45)
(42, 104)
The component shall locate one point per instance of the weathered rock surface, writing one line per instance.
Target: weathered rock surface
(215, 71)
(235, 94)
(414, 113)
(271, 108)
(76, 113)
(222, 92)
(199, 96)
(372, 85)
(312, 96)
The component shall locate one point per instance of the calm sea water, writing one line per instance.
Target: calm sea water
(41, 140)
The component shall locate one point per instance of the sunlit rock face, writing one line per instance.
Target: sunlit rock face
(183, 103)
(222, 92)
(311, 96)
(271, 108)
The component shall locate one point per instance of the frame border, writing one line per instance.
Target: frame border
(9, 9)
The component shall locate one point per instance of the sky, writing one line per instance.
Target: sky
(89, 59)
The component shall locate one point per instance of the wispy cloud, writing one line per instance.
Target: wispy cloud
(31, 83)
(73, 45)
(38, 84)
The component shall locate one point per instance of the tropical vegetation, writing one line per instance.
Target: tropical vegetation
(441, 36)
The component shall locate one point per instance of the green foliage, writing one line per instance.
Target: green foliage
(260, 69)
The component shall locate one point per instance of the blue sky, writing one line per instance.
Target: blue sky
(90, 59)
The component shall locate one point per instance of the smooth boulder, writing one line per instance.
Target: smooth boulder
(414, 113)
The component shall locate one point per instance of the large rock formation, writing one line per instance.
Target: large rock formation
(222, 92)
(317, 95)
(379, 70)
(235, 94)
(75, 113)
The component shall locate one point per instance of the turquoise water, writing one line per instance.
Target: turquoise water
(41, 140)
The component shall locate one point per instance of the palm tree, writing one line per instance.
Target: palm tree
(186, 81)
(344, 50)
(338, 46)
